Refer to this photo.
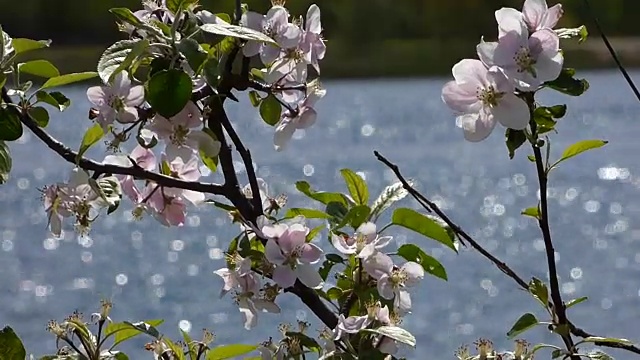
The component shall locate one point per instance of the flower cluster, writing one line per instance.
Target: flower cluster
(527, 54)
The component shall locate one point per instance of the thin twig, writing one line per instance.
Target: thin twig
(624, 72)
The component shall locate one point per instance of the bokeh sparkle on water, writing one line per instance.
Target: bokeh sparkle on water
(153, 272)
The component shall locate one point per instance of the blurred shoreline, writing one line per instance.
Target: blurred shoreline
(389, 58)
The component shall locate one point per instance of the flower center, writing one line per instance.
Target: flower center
(179, 136)
(398, 278)
(115, 102)
(268, 29)
(524, 60)
(294, 54)
(489, 96)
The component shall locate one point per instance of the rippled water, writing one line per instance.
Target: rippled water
(154, 272)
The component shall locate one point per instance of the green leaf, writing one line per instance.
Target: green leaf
(395, 333)
(314, 232)
(195, 54)
(235, 31)
(230, 351)
(411, 252)
(539, 290)
(321, 196)
(577, 301)
(138, 50)
(90, 138)
(579, 148)
(39, 115)
(515, 139)
(22, 45)
(68, 79)
(54, 98)
(357, 186)
(270, 110)
(175, 6)
(121, 356)
(307, 213)
(113, 56)
(334, 293)
(124, 331)
(11, 347)
(524, 323)
(534, 212)
(211, 72)
(421, 224)
(42, 68)
(580, 32)
(168, 91)
(5, 162)
(255, 98)
(208, 161)
(331, 260)
(387, 197)
(337, 211)
(356, 216)
(567, 84)
(191, 348)
(127, 16)
(10, 125)
(600, 340)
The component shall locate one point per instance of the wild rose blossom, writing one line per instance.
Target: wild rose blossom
(116, 101)
(392, 281)
(292, 256)
(483, 97)
(364, 243)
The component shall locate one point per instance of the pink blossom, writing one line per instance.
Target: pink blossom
(292, 255)
(274, 24)
(364, 243)
(117, 101)
(144, 158)
(305, 117)
(312, 44)
(188, 171)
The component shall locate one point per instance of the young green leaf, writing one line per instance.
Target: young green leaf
(567, 84)
(39, 115)
(230, 351)
(90, 138)
(421, 224)
(395, 333)
(356, 216)
(168, 91)
(539, 290)
(5, 162)
(524, 323)
(210, 162)
(127, 16)
(515, 139)
(10, 125)
(67, 79)
(598, 339)
(124, 331)
(580, 147)
(270, 110)
(314, 232)
(22, 45)
(577, 301)
(113, 56)
(136, 52)
(411, 252)
(195, 54)
(42, 68)
(254, 98)
(534, 212)
(357, 186)
(307, 213)
(54, 98)
(11, 347)
(235, 31)
(321, 196)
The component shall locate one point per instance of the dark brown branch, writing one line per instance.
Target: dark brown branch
(69, 155)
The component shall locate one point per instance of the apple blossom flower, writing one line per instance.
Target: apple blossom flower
(392, 280)
(168, 210)
(350, 325)
(116, 101)
(251, 300)
(538, 15)
(528, 61)
(275, 24)
(181, 134)
(287, 248)
(231, 277)
(312, 43)
(143, 158)
(55, 207)
(305, 117)
(188, 171)
(364, 243)
(483, 97)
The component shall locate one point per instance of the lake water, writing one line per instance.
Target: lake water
(154, 272)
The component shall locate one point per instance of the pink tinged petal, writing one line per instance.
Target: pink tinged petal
(313, 19)
(249, 312)
(175, 212)
(534, 11)
(461, 98)
(274, 231)
(378, 265)
(121, 83)
(341, 245)
(383, 241)
(368, 229)
(266, 306)
(244, 267)
(353, 324)
(310, 253)
(55, 225)
(162, 127)
(119, 160)
(97, 95)
(402, 301)
(544, 41)
(284, 276)
(194, 197)
(309, 276)
(135, 97)
(251, 48)
(252, 20)
(388, 346)
(306, 118)
(277, 16)
(144, 158)
(269, 53)
(414, 272)
(205, 142)
(290, 36)
(273, 253)
(189, 116)
(284, 132)
(476, 127)
(190, 171)
(383, 315)
(499, 81)
(512, 112)
(551, 17)
(128, 115)
(487, 51)
(385, 288)
(470, 71)
(509, 19)
(129, 188)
